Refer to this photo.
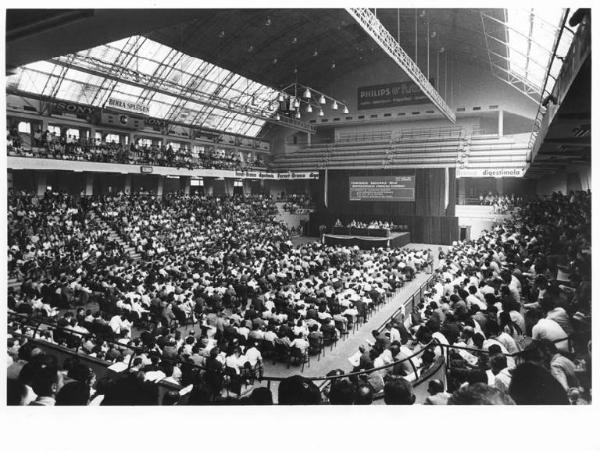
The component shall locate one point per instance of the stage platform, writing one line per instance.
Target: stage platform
(395, 239)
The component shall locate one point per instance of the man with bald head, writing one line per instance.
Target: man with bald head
(437, 395)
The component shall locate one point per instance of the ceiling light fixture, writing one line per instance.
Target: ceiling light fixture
(280, 98)
(298, 114)
(277, 117)
(322, 100)
(307, 94)
(296, 103)
(321, 112)
(335, 105)
(309, 108)
(346, 110)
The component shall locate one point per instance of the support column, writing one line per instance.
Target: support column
(228, 184)
(246, 187)
(89, 184)
(209, 187)
(500, 186)
(127, 186)
(308, 138)
(461, 191)
(161, 186)
(186, 185)
(41, 183)
(501, 123)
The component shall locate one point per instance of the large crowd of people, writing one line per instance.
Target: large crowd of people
(501, 203)
(225, 264)
(373, 225)
(298, 204)
(509, 314)
(68, 147)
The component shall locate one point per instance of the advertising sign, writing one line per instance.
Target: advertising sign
(498, 173)
(124, 105)
(390, 95)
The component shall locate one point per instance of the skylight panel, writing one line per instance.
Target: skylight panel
(531, 36)
(129, 91)
(34, 82)
(185, 77)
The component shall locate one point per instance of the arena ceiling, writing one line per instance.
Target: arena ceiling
(276, 47)
(569, 137)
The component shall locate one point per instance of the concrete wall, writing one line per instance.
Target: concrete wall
(276, 187)
(470, 187)
(467, 87)
(477, 226)
(572, 178)
(585, 176)
(550, 184)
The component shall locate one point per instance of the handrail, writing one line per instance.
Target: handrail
(24, 320)
(328, 379)
(486, 351)
(123, 157)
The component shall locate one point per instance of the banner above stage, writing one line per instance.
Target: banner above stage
(277, 175)
(498, 173)
(391, 95)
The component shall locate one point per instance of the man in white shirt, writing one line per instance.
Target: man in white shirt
(300, 342)
(550, 330)
(473, 299)
(116, 323)
(394, 333)
(502, 375)
(253, 356)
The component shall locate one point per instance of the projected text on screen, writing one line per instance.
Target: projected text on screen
(383, 188)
